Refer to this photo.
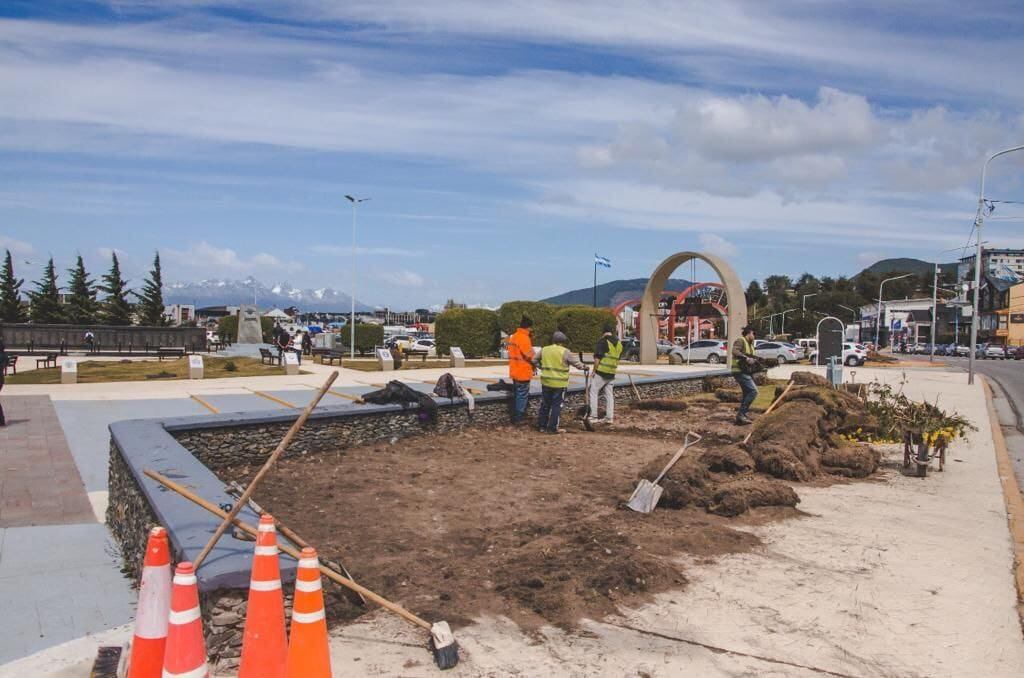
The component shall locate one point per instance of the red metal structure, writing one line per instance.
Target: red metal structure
(711, 292)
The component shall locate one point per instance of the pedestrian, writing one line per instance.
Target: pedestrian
(307, 343)
(90, 340)
(521, 368)
(606, 359)
(743, 363)
(281, 340)
(555, 360)
(3, 373)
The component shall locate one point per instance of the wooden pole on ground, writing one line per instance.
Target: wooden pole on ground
(281, 447)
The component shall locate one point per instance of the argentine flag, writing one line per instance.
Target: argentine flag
(602, 261)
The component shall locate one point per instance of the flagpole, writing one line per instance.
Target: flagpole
(595, 281)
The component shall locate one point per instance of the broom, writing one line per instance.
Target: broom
(442, 642)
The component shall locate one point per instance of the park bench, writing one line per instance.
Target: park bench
(268, 358)
(330, 355)
(409, 353)
(170, 352)
(50, 360)
(11, 364)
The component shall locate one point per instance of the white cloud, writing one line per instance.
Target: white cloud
(346, 250)
(212, 261)
(17, 247)
(406, 278)
(716, 244)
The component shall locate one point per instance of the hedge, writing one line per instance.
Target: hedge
(583, 325)
(542, 314)
(368, 336)
(474, 330)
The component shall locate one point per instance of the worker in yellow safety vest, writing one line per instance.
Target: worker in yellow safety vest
(606, 357)
(555, 360)
(744, 360)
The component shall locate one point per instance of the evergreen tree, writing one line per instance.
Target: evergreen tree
(115, 309)
(82, 306)
(45, 301)
(151, 301)
(754, 293)
(10, 294)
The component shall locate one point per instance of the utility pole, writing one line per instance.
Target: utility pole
(978, 222)
(935, 300)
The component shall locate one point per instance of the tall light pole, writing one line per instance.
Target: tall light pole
(803, 306)
(878, 320)
(784, 318)
(978, 222)
(352, 319)
(935, 300)
(854, 312)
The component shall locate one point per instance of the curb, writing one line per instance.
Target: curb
(1012, 496)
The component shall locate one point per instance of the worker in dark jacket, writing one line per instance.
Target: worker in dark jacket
(3, 370)
(606, 362)
(743, 360)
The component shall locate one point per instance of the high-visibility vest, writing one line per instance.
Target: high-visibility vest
(610, 361)
(554, 373)
(748, 349)
(519, 366)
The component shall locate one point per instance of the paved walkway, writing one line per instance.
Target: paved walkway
(40, 484)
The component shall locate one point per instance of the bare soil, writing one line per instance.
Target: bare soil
(508, 521)
(504, 521)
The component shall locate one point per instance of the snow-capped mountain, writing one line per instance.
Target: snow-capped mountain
(217, 292)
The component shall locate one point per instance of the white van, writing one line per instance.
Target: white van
(808, 345)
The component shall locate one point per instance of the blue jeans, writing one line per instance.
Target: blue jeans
(550, 408)
(746, 383)
(521, 394)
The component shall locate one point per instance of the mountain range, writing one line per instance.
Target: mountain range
(216, 292)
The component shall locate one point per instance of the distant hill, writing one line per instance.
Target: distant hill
(614, 292)
(907, 265)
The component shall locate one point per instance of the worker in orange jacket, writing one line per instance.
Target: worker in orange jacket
(521, 368)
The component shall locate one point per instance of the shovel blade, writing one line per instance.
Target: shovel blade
(645, 497)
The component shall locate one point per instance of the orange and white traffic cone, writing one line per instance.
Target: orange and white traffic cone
(308, 653)
(147, 654)
(185, 655)
(264, 646)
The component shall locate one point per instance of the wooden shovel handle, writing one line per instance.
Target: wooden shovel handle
(281, 447)
(682, 450)
(324, 570)
(769, 410)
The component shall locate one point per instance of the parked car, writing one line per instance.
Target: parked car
(402, 341)
(777, 350)
(427, 345)
(664, 346)
(1015, 352)
(631, 349)
(713, 351)
(991, 351)
(801, 353)
(808, 345)
(854, 355)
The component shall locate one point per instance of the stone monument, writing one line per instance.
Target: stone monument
(195, 367)
(250, 330)
(385, 361)
(68, 371)
(457, 357)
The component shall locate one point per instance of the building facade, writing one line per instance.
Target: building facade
(997, 262)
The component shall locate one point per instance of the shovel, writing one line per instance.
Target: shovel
(646, 495)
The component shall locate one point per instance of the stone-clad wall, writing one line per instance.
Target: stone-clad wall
(130, 514)
(220, 447)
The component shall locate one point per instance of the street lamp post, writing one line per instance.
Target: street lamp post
(804, 304)
(878, 319)
(935, 300)
(352, 319)
(978, 222)
(783, 314)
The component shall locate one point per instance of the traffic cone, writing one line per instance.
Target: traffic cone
(308, 654)
(185, 656)
(147, 653)
(264, 646)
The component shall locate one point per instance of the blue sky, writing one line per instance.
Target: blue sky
(501, 144)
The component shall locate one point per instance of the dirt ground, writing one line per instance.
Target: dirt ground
(531, 526)
(503, 521)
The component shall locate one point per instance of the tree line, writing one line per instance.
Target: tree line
(82, 303)
(829, 296)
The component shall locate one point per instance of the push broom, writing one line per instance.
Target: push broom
(442, 642)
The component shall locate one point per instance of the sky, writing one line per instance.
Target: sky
(502, 145)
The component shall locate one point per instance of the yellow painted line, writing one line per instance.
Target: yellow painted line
(349, 396)
(274, 399)
(205, 404)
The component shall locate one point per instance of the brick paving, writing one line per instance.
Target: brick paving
(39, 481)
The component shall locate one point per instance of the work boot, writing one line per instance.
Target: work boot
(743, 420)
